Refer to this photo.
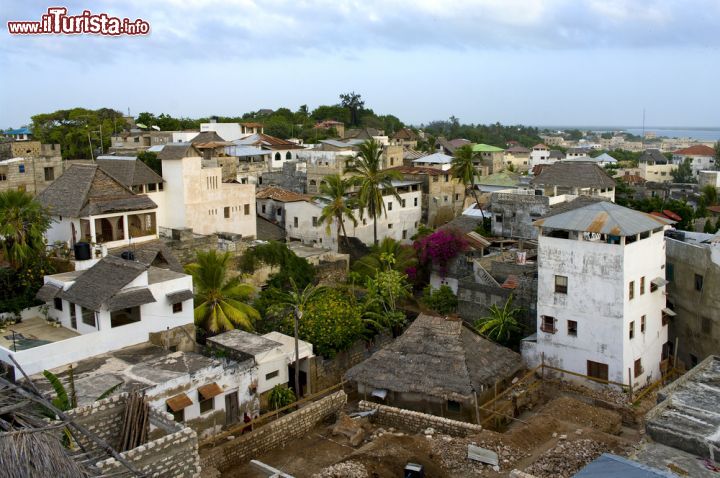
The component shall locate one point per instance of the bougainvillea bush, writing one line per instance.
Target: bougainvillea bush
(439, 248)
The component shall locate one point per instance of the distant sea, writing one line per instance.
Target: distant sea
(700, 134)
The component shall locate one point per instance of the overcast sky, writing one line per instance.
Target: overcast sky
(542, 62)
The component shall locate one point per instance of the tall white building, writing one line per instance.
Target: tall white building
(601, 297)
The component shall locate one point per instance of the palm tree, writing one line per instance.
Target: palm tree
(404, 257)
(373, 181)
(463, 169)
(334, 190)
(219, 301)
(298, 300)
(501, 324)
(23, 222)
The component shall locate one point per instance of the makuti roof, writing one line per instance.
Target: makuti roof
(178, 151)
(129, 172)
(603, 217)
(486, 148)
(439, 357)
(574, 175)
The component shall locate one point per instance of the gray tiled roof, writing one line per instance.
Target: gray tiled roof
(574, 174)
(85, 189)
(178, 151)
(603, 217)
(97, 285)
(153, 253)
(207, 137)
(179, 296)
(129, 172)
(48, 292)
(653, 156)
(130, 298)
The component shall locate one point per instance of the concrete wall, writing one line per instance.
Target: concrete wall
(273, 435)
(513, 214)
(32, 179)
(416, 421)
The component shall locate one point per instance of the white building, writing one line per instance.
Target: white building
(281, 151)
(196, 197)
(540, 154)
(88, 204)
(113, 304)
(601, 297)
(576, 178)
(576, 153)
(435, 160)
(701, 157)
(400, 222)
(271, 201)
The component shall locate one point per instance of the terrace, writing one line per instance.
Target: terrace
(33, 332)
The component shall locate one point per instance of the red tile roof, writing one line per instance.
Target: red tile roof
(510, 283)
(419, 170)
(672, 215)
(715, 209)
(697, 150)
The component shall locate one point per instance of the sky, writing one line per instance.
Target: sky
(536, 62)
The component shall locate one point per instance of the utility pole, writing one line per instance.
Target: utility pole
(90, 143)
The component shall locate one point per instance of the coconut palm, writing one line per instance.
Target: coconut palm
(404, 257)
(501, 324)
(219, 301)
(298, 300)
(463, 169)
(23, 222)
(334, 191)
(373, 181)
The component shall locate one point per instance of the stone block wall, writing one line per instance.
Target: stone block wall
(103, 418)
(273, 435)
(416, 421)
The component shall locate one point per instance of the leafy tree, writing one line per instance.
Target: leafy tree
(273, 253)
(683, 173)
(337, 113)
(280, 396)
(709, 227)
(297, 300)
(442, 300)
(23, 222)
(403, 258)
(463, 169)
(151, 160)
(220, 302)
(373, 181)
(354, 104)
(334, 192)
(384, 293)
(710, 194)
(501, 324)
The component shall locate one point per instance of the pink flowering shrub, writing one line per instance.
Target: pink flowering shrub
(440, 247)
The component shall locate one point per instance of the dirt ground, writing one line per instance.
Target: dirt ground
(555, 439)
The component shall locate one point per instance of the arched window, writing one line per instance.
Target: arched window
(288, 155)
(313, 182)
(278, 157)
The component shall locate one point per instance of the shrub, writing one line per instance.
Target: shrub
(280, 396)
(442, 300)
(440, 247)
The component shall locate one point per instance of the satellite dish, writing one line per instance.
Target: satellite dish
(140, 125)
(156, 128)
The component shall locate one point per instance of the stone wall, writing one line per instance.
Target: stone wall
(186, 246)
(171, 451)
(416, 421)
(273, 435)
(332, 272)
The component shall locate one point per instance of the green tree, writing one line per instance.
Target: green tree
(683, 173)
(280, 396)
(501, 324)
(710, 194)
(463, 169)
(442, 300)
(384, 292)
(151, 160)
(709, 227)
(354, 104)
(374, 182)
(273, 253)
(23, 222)
(717, 155)
(298, 300)
(334, 192)
(220, 302)
(403, 258)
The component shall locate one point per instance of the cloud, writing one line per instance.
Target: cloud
(253, 29)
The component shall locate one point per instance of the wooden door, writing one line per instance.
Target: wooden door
(232, 408)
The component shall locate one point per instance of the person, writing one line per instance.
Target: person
(248, 426)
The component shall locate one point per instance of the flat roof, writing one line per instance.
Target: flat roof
(245, 342)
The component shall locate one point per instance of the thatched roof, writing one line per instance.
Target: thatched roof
(129, 172)
(439, 357)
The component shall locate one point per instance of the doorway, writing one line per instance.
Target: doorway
(232, 408)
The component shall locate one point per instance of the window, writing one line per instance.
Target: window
(364, 222)
(246, 209)
(631, 289)
(3, 177)
(295, 222)
(447, 178)
(548, 324)
(403, 203)
(693, 360)
(279, 211)
(390, 226)
(597, 370)
(404, 234)
(226, 212)
(415, 202)
(88, 317)
(445, 198)
(73, 316)
(642, 324)
(177, 307)
(707, 325)
(453, 406)
(178, 416)
(698, 282)
(561, 284)
(642, 285)
(21, 168)
(638, 368)
(572, 328)
(499, 218)
(389, 205)
(152, 187)
(58, 303)
(632, 329)
(669, 271)
(49, 174)
(206, 404)
(457, 197)
(272, 375)
(314, 221)
(435, 179)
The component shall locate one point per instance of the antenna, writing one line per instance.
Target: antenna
(642, 140)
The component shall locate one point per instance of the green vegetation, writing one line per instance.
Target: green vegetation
(151, 160)
(493, 134)
(280, 396)
(501, 324)
(292, 267)
(338, 205)
(219, 301)
(442, 300)
(463, 169)
(373, 181)
(403, 258)
(683, 173)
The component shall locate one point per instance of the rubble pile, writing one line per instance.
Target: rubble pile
(453, 453)
(346, 469)
(567, 458)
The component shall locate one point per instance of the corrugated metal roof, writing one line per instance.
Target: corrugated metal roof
(608, 465)
(604, 217)
(435, 158)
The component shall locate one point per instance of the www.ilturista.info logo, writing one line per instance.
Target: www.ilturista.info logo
(57, 21)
